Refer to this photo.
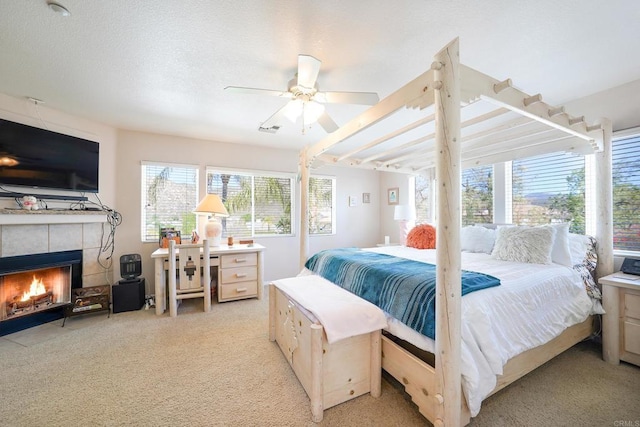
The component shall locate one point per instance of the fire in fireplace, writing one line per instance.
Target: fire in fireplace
(26, 293)
(36, 288)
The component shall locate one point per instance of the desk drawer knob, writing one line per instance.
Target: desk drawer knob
(238, 260)
(241, 275)
(241, 290)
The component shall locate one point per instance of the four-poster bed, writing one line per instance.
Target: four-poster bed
(500, 123)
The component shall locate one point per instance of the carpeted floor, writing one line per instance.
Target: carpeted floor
(219, 369)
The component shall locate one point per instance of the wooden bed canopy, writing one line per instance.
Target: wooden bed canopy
(449, 118)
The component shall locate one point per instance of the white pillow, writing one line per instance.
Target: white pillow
(477, 239)
(560, 253)
(578, 245)
(524, 244)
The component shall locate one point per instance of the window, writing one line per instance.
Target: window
(169, 196)
(259, 203)
(477, 195)
(423, 200)
(626, 193)
(549, 188)
(322, 216)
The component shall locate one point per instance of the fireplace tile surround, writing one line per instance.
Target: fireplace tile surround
(41, 238)
(25, 234)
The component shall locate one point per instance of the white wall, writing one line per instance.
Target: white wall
(620, 104)
(356, 226)
(388, 226)
(23, 111)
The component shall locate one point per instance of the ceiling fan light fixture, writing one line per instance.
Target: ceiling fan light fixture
(293, 110)
(312, 111)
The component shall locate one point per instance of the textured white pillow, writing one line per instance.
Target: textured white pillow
(524, 244)
(474, 238)
(560, 252)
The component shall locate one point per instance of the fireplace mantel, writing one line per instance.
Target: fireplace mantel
(49, 216)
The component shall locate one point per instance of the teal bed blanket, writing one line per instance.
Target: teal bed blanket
(404, 288)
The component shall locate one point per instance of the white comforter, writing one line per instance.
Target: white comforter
(533, 304)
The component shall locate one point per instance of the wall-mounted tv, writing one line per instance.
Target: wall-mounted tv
(38, 158)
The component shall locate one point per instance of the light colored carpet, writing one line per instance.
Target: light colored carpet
(219, 369)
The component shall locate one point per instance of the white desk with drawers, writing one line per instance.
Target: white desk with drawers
(240, 271)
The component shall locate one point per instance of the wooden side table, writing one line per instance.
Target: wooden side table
(621, 323)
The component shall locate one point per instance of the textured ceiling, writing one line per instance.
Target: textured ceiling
(161, 66)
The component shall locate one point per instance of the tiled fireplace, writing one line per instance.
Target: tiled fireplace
(42, 257)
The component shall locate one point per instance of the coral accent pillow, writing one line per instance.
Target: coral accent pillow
(422, 236)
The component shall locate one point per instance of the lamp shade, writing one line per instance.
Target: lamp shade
(404, 213)
(212, 204)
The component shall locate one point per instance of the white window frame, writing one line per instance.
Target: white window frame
(185, 234)
(261, 173)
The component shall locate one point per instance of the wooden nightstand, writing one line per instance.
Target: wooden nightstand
(621, 323)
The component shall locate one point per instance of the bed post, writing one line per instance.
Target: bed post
(448, 270)
(304, 213)
(604, 203)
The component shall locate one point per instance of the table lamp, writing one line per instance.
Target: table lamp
(212, 205)
(405, 214)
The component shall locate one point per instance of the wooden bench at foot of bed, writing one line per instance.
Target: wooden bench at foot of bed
(330, 373)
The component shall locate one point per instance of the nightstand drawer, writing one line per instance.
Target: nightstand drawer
(632, 305)
(238, 290)
(238, 260)
(240, 274)
(632, 337)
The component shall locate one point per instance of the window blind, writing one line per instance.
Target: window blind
(321, 205)
(477, 195)
(259, 204)
(626, 193)
(549, 188)
(423, 201)
(169, 196)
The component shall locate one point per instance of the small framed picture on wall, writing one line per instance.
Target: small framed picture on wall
(392, 196)
(366, 197)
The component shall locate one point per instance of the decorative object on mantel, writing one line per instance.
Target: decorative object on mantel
(30, 203)
(212, 205)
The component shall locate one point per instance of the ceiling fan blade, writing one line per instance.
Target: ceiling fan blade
(327, 123)
(362, 98)
(254, 91)
(272, 124)
(308, 69)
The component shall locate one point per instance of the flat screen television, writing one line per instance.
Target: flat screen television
(39, 158)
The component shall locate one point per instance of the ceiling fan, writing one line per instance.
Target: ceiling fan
(305, 98)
